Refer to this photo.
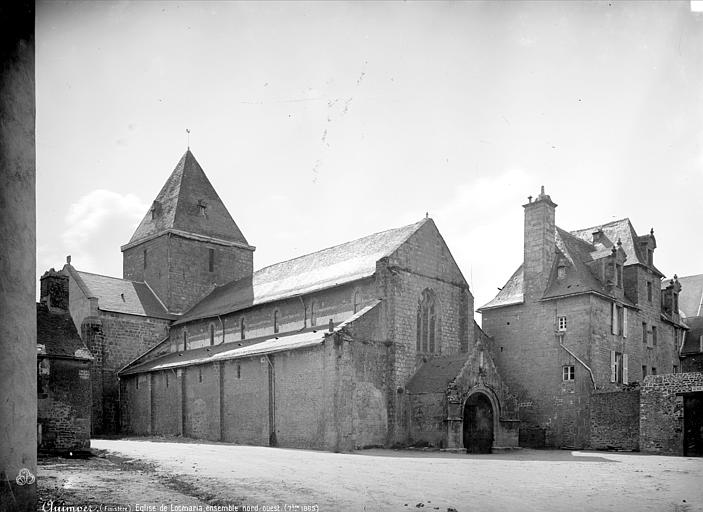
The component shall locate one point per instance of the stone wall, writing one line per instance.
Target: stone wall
(64, 409)
(331, 396)
(114, 340)
(661, 411)
(615, 420)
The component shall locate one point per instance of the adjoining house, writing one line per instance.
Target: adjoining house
(316, 352)
(583, 314)
(63, 373)
(691, 306)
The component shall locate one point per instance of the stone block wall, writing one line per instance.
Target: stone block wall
(178, 268)
(114, 340)
(64, 409)
(615, 420)
(661, 411)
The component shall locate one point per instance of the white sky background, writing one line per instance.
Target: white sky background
(319, 123)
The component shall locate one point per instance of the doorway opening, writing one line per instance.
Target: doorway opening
(478, 424)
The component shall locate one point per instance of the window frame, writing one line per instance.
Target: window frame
(561, 323)
(568, 373)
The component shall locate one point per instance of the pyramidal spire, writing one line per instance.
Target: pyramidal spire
(189, 203)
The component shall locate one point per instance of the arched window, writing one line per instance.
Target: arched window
(313, 320)
(356, 301)
(275, 320)
(426, 322)
(212, 334)
(242, 329)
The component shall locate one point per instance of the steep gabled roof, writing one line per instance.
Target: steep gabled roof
(511, 293)
(329, 267)
(177, 207)
(692, 343)
(618, 230)
(121, 295)
(435, 375)
(57, 335)
(691, 295)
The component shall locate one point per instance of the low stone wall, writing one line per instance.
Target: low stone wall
(661, 411)
(615, 420)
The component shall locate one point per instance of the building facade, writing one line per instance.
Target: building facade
(312, 352)
(585, 313)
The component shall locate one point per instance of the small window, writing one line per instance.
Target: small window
(654, 335)
(242, 328)
(644, 371)
(357, 301)
(561, 272)
(618, 276)
(650, 257)
(567, 373)
(654, 370)
(676, 368)
(618, 367)
(138, 379)
(239, 371)
(275, 321)
(649, 291)
(644, 332)
(211, 260)
(212, 334)
(562, 323)
(313, 320)
(185, 340)
(166, 374)
(200, 374)
(145, 259)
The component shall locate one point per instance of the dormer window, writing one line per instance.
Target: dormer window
(650, 257)
(155, 209)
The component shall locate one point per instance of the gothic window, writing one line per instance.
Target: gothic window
(426, 322)
(242, 328)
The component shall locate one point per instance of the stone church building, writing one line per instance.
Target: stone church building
(585, 314)
(368, 343)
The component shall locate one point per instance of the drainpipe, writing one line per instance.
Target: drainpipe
(561, 344)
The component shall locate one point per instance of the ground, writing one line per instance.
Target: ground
(155, 472)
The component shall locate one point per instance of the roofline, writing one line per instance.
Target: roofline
(79, 280)
(192, 236)
(145, 315)
(181, 321)
(142, 355)
(592, 292)
(487, 308)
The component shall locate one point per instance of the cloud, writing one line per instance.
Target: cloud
(97, 225)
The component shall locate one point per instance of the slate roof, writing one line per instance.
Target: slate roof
(691, 295)
(57, 335)
(577, 249)
(510, 293)
(435, 375)
(176, 207)
(323, 269)
(691, 344)
(618, 230)
(246, 348)
(121, 295)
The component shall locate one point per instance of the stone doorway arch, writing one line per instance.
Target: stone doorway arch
(480, 417)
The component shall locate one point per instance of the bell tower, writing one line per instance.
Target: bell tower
(187, 243)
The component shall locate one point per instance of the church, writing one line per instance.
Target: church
(364, 344)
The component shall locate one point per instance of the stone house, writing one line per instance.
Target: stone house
(312, 352)
(584, 313)
(63, 373)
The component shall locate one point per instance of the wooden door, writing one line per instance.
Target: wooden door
(478, 424)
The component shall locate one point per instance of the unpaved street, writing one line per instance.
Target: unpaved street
(525, 480)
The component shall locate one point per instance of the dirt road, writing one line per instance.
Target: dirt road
(299, 480)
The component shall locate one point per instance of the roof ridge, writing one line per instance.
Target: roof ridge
(340, 245)
(605, 224)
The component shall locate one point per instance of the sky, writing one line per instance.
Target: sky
(319, 123)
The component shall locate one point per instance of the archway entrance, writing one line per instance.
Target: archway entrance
(478, 424)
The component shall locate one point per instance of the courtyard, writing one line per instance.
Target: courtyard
(173, 474)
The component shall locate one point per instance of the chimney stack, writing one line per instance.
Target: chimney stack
(539, 244)
(54, 290)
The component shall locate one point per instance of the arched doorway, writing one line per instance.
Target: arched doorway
(478, 424)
